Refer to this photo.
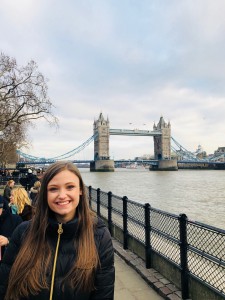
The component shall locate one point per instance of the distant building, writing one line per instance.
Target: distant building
(200, 153)
(220, 152)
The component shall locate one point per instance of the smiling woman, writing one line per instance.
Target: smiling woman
(65, 250)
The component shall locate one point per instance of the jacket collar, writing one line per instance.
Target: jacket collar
(69, 229)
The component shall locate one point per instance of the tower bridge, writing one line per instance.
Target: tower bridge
(102, 162)
(161, 134)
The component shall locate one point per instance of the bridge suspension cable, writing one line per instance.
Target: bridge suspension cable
(182, 151)
(63, 156)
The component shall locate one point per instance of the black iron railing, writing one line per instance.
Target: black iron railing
(5, 179)
(196, 249)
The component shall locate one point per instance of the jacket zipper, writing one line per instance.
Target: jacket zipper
(60, 231)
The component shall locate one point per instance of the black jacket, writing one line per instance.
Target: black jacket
(33, 195)
(27, 212)
(7, 193)
(104, 277)
(8, 222)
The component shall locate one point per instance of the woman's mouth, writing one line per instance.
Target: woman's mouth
(62, 203)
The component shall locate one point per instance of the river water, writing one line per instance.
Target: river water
(200, 194)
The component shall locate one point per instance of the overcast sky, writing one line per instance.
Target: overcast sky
(132, 60)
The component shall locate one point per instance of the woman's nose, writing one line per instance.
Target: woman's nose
(62, 193)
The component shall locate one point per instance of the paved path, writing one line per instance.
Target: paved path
(135, 282)
(130, 285)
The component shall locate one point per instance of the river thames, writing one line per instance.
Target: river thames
(200, 194)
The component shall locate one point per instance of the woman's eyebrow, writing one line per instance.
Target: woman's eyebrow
(56, 184)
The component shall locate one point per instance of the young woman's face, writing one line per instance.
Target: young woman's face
(63, 195)
(12, 184)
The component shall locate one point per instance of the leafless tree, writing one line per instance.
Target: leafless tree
(23, 99)
(12, 139)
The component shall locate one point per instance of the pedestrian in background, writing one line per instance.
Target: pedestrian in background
(65, 251)
(22, 201)
(8, 189)
(34, 191)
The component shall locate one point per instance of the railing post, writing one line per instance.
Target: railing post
(98, 201)
(125, 231)
(90, 195)
(110, 212)
(183, 256)
(148, 252)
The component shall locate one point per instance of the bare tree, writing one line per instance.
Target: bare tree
(13, 138)
(23, 99)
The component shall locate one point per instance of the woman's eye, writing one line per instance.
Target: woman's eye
(70, 187)
(53, 189)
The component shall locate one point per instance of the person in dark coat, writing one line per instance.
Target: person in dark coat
(65, 251)
(8, 222)
(28, 181)
(34, 191)
(8, 189)
(31, 179)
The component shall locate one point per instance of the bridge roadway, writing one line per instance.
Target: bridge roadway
(150, 162)
(42, 162)
(134, 132)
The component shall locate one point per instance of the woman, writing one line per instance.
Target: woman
(64, 252)
(34, 191)
(21, 200)
(8, 189)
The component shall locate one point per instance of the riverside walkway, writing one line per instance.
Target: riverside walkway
(135, 282)
(130, 285)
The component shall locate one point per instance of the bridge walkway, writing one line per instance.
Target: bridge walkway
(135, 282)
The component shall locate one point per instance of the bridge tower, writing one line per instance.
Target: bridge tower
(102, 161)
(162, 144)
(162, 147)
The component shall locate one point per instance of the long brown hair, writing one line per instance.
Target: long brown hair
(28, 273)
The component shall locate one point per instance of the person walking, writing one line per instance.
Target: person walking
(65, 251)
(8, 189)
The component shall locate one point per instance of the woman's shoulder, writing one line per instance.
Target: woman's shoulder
(101, 230)
(99, 224)
(104, 243)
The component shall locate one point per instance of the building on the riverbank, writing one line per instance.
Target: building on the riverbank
(220, 154)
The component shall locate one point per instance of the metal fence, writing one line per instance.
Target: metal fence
(5, 179)
(196, 249)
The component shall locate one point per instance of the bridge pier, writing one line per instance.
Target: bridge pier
(104, 165)
(165, 165)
